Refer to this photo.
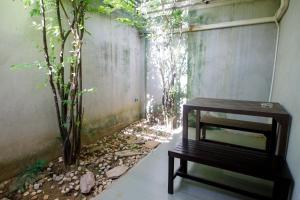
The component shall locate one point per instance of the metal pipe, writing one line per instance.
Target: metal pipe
(284, 4)
(278, 16)
(275, 61)
(230, 24)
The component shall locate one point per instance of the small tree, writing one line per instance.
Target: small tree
(168, 53)
(62, 27)
(62, 24)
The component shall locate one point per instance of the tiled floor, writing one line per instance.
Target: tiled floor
(148, 179)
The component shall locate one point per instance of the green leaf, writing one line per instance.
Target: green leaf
(105, 10)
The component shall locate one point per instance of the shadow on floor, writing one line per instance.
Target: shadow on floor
(148, 179)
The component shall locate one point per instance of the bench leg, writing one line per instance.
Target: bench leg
(281, 189)
(203, 132)
(271, 140)
(198, 126)
(171, 174)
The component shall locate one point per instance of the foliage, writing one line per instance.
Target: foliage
(62, 24)
(28, 176)
(168, 55)
(128, 8)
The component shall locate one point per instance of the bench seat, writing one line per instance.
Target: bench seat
(247, 126)
(244, 161)
(234, 124)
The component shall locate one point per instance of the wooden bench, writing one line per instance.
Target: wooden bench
(244, 161)
(254, 127)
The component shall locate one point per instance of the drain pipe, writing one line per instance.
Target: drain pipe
(273, 19)
(275, 60)
(278, 16)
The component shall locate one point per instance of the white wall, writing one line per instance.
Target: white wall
(286, 88)
(113, 65)
(234, 63)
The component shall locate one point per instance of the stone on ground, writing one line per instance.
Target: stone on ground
(151, 144)
(87, 182)
(127, 153)
(116, 172)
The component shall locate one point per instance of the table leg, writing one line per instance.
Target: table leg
(197, 125)
(271, 140)
(170, 176)
(185, 123)
(183, 166)
(282, 140)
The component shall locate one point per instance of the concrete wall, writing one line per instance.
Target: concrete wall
(286, 86)
(113, 65)
(234, 63)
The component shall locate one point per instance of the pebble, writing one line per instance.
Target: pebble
(50, 164)
(60, 159)
(112, 151)
(58, 178)
(66, 179)
(26, 193)
(36, 186)
(46, 197)
(77, 187)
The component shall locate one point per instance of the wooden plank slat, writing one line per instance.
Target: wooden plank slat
(253, 108)
(248, 126)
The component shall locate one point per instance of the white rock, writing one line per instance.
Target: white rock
(50, 164)
(46, 197)
(66, 179)
(127, 153)
(26, 194)
(77, 187)
(36, 186)
(116, 172)
(58, 178)
(87, 182)
(60, 159)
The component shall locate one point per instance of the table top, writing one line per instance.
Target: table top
(255, 108)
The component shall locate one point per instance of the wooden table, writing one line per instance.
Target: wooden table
(280, 117)
(270, 165)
